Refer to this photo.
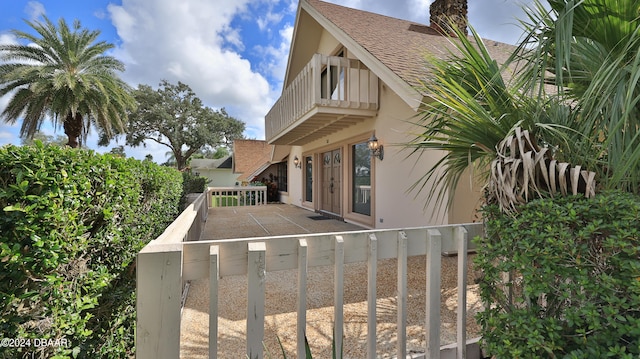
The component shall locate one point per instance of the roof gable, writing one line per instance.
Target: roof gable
(392, 48)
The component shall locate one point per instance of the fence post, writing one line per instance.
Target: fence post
(434, 253)
(372, 268)
(256, 272)
(159, 296)
(338, 293)
(402, 294)
(460, 235)
(214, 278)
(302, 296)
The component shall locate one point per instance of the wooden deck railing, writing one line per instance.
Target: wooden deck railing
(167, 262)
(236, 196)
(348, 84)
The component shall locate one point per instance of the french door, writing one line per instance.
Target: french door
(331, 186)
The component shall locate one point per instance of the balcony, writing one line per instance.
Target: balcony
(331, 93)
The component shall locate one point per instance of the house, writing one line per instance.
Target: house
(218, 171)
(353, 76)
(252, 162)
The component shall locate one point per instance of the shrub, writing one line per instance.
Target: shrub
(192, 183)
(70, 229)
(562, 279)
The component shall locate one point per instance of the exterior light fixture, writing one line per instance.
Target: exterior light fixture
(296, 162)
(377, 150)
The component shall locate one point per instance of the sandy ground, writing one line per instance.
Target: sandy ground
(280, 308)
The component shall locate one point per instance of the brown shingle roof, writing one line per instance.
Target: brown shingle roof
(398, 44)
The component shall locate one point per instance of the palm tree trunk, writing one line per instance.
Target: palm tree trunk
(73, 129)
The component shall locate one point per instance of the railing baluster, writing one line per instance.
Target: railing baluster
(214, 277)
(302, 295)
(338, 292)
(402, 294)
(371, 296)
(460, 236)
(256, 270)
(433, 266)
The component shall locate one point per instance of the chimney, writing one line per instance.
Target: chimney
(442, 12)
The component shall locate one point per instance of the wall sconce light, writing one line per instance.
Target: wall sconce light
(296, 162)
(377, 150)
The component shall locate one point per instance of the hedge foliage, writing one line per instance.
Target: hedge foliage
(71, 224)
(562, 279)
(193, 183)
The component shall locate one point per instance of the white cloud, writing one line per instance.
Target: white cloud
(192, 41)
(7, 39)
(34, 10)
(270, 18)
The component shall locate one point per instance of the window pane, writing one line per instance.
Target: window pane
(282, 176)
(361, 173)
(308, 180)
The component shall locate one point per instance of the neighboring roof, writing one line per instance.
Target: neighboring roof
(226, 162)
(249, 155)
(393, 48)
(207, 163)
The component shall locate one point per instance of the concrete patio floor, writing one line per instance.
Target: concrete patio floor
(268, 220)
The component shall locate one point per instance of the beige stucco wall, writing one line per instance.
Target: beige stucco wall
(218, 177)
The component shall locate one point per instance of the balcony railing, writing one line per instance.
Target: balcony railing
(238, 196)
(327, 86)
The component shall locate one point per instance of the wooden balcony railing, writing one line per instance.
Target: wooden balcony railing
(329, 84)
(173, 258)
(238, 196)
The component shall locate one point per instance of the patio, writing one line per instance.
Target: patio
(269, 220)
(280, 307)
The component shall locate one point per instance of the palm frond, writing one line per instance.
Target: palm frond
(523, 171)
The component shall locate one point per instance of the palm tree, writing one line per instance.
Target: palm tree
(477, 119)
(574, 98)
(588, 51)
(65, 75)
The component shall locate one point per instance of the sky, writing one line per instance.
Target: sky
(232, 53)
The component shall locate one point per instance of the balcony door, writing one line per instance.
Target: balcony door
(332, 182)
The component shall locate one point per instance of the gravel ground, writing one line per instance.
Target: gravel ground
(280, 309)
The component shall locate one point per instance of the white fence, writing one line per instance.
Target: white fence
(167, 262)
(236, 196)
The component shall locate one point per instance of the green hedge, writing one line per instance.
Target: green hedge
(71, 224)
(193, 183)
(562, 279)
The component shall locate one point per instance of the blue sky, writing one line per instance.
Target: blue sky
(232, 53)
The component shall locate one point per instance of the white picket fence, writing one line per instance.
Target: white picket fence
(171, 260)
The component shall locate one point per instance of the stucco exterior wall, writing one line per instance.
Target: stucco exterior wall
(395, 205)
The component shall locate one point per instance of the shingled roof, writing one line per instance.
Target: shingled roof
(248, 155)
(396, 44)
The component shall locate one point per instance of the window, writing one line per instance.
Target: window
(282, 176)
(361, 175)
(308, 179)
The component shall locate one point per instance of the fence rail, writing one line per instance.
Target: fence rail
(163, 267)
(238, 196)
